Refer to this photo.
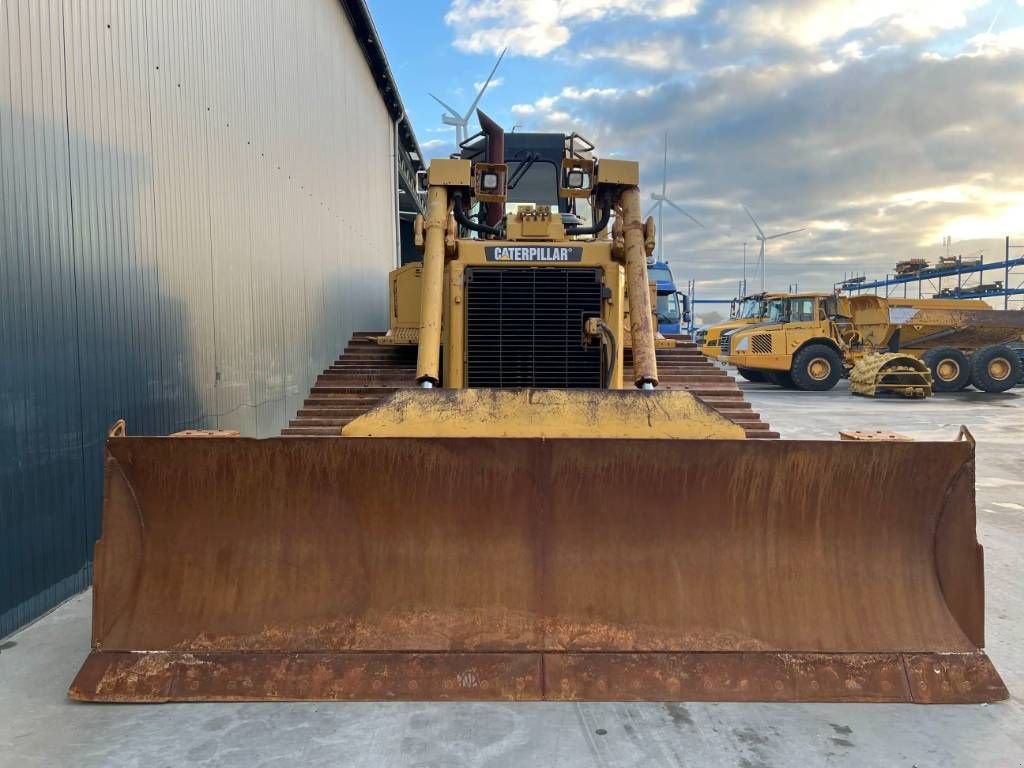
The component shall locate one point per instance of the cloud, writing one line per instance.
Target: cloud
(497, 82)
(809, 23)
(880, 127)
(654, 54)
(996, 43)
(545, 109)
(538, 27)
(432, 144)
(879, 159)
(575, 94)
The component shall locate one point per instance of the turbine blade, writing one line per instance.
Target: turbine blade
(691, 218)
(758, 226)
(783, 234)
(487, 82)
(653, 208)
(449, 107)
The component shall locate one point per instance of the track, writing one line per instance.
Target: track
(367, 373)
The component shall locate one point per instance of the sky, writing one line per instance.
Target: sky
(880, 126)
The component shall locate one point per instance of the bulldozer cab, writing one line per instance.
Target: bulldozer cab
(537, 173)
(534, 269)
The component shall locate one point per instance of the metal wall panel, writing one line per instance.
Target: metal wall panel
(197, 208)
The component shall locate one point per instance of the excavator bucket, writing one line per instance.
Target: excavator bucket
(891, 373)
(482, 568)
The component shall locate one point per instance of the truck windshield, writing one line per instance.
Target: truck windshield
(668, 308)
(750, 308)
(776, 311)
(659, 274)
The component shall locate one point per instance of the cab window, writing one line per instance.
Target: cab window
(750, 308)
(776, 312)
(668, 308)
(802, 310)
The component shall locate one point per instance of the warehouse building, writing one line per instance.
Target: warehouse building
(199, 203)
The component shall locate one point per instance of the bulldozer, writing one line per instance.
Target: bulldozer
(538, 515)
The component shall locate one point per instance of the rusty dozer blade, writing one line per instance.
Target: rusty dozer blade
(529, 569)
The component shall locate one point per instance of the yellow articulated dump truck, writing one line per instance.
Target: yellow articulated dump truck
(536, 516)
(745, 311)
(904, 346)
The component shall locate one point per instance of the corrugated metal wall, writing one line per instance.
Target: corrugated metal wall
(197, 207)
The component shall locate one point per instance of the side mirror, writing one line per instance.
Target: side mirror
(684, 306)
(421, 182)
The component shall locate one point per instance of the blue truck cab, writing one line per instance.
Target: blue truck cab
(673, 308)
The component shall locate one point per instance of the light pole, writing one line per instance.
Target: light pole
(744, 269)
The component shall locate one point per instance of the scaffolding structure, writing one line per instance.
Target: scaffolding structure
(966, 279)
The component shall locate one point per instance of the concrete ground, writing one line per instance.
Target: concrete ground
(38, 726)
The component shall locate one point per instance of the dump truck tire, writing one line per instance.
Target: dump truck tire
(780, 379)
(950, 369)
(757, 377)
(816, 368)
(995, 369)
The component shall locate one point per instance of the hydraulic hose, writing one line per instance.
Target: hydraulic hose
(599, 225)
(475, 226)
(613, 352)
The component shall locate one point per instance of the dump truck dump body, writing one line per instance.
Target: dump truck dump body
(525, 569)
(926, 323)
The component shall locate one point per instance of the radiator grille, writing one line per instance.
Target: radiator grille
(725, 344)
(761, 344)
(523, 327)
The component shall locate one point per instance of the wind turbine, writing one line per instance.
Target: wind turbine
(660, 201)
(458, 120)
(763, 238)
